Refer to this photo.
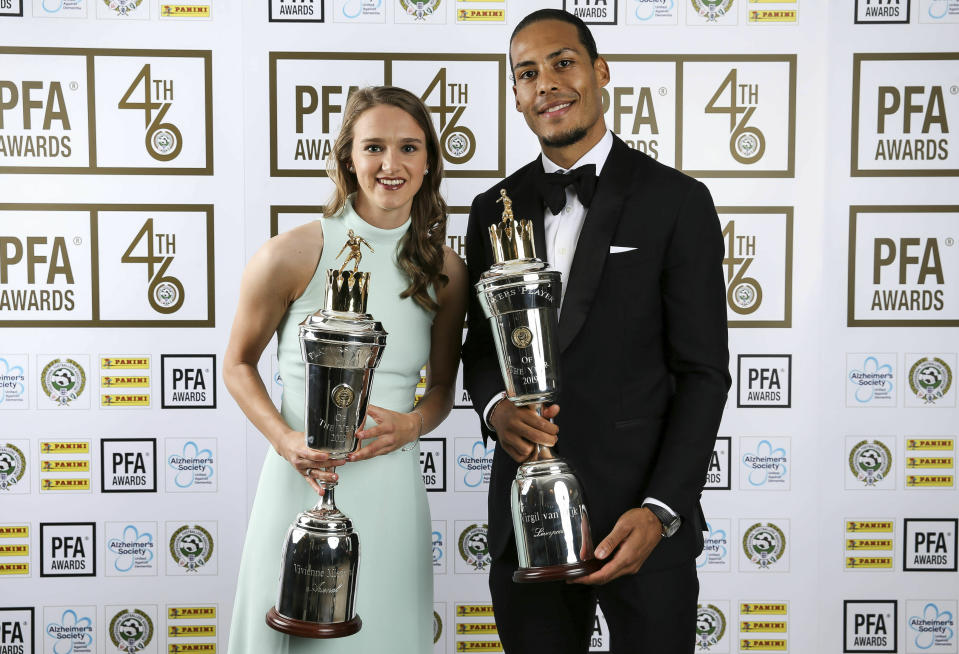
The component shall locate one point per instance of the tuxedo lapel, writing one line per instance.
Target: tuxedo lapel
(594, 241)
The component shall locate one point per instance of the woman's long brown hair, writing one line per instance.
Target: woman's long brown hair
(420, 253)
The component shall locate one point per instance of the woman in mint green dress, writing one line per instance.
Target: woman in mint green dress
(387, 169)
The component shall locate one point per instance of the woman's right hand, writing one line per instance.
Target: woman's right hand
(307, 461)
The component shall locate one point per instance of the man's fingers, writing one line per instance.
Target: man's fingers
(607, 573)
(610, 543)
(551, 411)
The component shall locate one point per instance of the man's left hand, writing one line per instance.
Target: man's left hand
(633, 538)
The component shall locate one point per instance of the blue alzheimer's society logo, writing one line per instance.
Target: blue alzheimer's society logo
(871, 382)
(132, 550)
(475, 464)
(765, 463)
(13, 384)
(193, 466)
(715, 552)
(933, 629)
(71, 633)
(648, 9)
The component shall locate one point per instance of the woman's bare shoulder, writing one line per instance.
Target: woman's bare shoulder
(289, 259)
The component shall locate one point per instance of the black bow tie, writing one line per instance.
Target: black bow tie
(552, 186)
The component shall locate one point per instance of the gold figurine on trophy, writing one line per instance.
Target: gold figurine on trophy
(354, 242)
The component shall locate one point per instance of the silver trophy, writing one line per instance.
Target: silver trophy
(520, 296)
(341, 346)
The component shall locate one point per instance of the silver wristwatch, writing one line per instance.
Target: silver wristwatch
(669, 521)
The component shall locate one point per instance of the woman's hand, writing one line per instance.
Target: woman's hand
(307, 461)
(392, 431)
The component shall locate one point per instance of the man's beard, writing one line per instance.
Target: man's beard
(567, 138)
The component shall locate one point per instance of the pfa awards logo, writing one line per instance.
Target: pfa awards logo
(14, 369)
(309, 92)
(711, 628)
(297, 11)
(765, 463)
(160, 261)
(131, 549)
(716, 543)
(188, 381)
(433, 464)
(764, 546)
(758, 265)
(871, 380)
(63, 381)
(930, 380)
(929, 544)
(882, 11)
(594, 12)
(128, 465)
(474, 463)
(16, 630)
(191, 548)
(65, 122)
(903, 105)
(640, 104)
(68, 549)
(904, 267)
(13, 467)
(191, 464)
(930, 626)
(131, 630)
(69, 629)
(720, 462)
(765, 380)
(870, 625)
(869, 462)
(473, 547)
(739, 115)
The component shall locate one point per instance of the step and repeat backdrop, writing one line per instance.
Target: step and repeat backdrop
(147, 149)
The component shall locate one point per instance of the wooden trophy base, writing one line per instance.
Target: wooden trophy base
(560, 572)
(305, 629)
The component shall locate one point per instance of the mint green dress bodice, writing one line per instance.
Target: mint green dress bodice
(384, 496)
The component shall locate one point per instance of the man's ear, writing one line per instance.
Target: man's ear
(516, 98)
(601, 68)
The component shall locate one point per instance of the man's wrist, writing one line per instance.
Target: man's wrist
(669, 521)
(491, 407)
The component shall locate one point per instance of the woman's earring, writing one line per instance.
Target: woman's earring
(426, 172)
(350, 168)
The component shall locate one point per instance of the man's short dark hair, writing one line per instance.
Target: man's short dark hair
(585, 36)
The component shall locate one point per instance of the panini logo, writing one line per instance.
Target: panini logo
(184, 11)
(14, 568)
(47, 116)
(191, 612)
(771, 626)
(930, 481)
(64, 484)
(877, 526)
(65, 447)
(64, 466)
(474, 610)
(17, 531)
(191, 631)
(52, 258)
(929, 462)
(192, 648)
(124, 400)
(764, 644)
(902, 107)
(481, 15)
(479, 646)
(869, 562)
(476, 628)
(14, 550)
(773, 16)
(137, 381)
(128, 363)
(751, 608)
(309, 92)
(914, 444)
(869, 544)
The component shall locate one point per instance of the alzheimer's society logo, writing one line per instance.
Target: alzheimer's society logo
(871, 380)
(132, 551)
(475, 462)
(715, 554)
(70, 633)
(191, 466)
(765, 463)
(13, 382)
(932, 628)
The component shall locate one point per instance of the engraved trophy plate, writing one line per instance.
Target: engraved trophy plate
(341, 346)
(520, 296)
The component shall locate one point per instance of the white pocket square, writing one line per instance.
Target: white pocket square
(616, 249)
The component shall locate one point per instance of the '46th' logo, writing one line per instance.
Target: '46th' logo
(165, 293)
(458, 141)
(163, 139)
(746, 143)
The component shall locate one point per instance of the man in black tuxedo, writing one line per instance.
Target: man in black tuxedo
(644, 359)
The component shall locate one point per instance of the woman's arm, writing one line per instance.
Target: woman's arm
(446, 336)
(276, 275)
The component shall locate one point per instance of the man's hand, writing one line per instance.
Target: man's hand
(636, 533)
(519, 429)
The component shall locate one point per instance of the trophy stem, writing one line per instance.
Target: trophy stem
(542, 452)
(328, 501)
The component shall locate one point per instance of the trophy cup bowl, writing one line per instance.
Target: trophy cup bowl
(341, 346)
(520, 295)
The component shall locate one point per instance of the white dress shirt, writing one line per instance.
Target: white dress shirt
(562, 235)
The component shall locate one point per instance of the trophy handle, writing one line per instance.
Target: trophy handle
(542, 452)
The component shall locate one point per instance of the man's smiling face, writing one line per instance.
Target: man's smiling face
(557, 87)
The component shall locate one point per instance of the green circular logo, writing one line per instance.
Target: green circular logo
(191, 547)
(764, 544)
(131, 630)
